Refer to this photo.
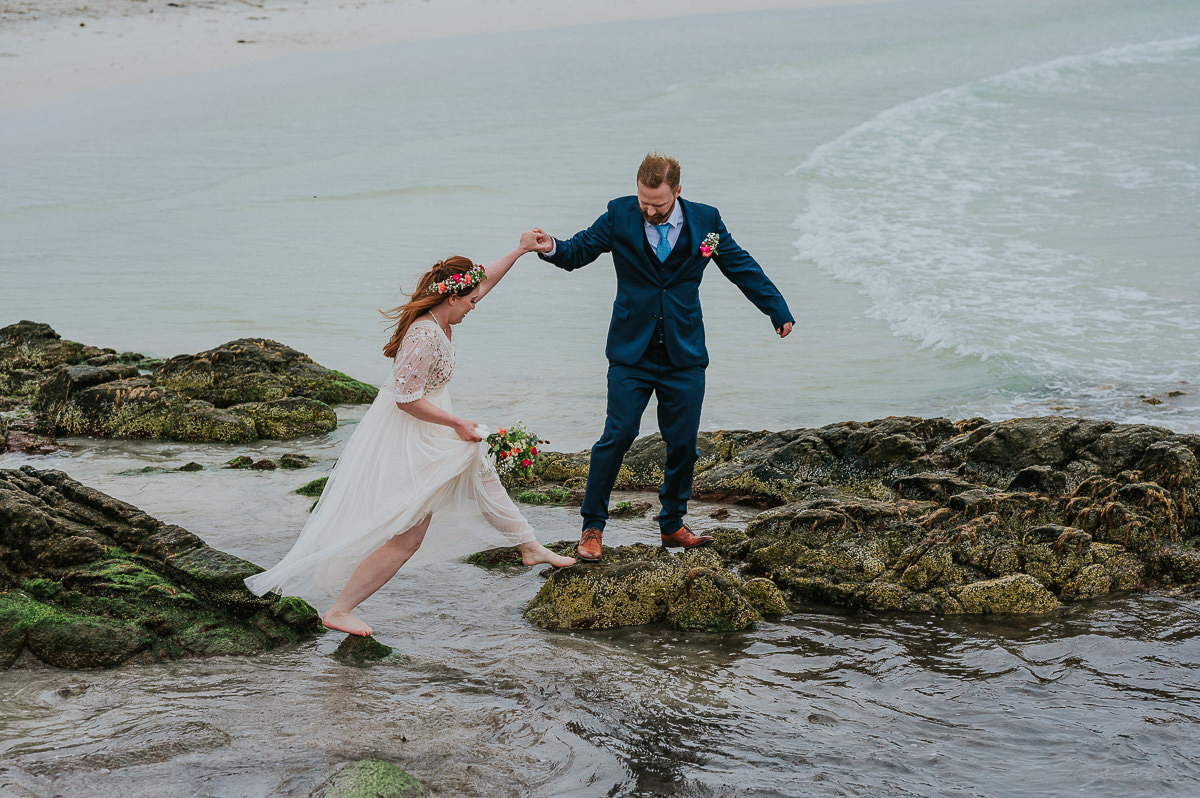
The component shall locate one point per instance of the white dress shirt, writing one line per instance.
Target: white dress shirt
(676, 222)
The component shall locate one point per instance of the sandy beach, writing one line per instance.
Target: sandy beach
(51, 49)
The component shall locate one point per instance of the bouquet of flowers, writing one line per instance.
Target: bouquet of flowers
(514, 449)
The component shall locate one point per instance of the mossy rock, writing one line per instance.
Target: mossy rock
(121, 408)
(72, 550)
(15, 610)
(1177, 565)
(931, 569)
(217, 576)
(765, 596)
(212, 638)
(711, 601)
(498, 557)
(73, 641)
(93, 582)
(605, 596)
(295, 612)
(361, 651)
(255, 386)
(285, 419)
(800, 588)
(628, 509)
(637, 585)
(510, 556)
(1019, 594)
(892, 596)
(314, 488)
(1091, 581)
(372, 778)
(561, 466)
(80, 390)
(549, 494)
(251, 370)
(126, 579)
(201, 421)
(292, 461)
(341, 388)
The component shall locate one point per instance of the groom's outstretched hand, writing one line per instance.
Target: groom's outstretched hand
(784, 330)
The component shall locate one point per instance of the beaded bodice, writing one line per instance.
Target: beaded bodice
(424, 363)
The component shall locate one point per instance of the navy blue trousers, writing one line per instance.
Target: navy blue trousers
(679, 392)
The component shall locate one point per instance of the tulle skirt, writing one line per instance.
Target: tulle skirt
(395, 470)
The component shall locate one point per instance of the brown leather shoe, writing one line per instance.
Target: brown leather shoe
(686, 538)
(590, 548)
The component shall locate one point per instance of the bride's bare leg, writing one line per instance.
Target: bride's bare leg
(533, 553)
(370, 575)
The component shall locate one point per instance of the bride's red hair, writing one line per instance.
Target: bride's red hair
(420, 300)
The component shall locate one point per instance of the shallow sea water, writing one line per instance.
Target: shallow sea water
(1100, 699)
(974, 209)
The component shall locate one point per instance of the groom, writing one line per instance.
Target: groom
(660, 245)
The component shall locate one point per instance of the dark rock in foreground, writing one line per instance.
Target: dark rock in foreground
(244, 390)
(88, 581)
(359, 650)
(924, 515)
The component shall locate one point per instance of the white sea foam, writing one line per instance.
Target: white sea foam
(975, 218)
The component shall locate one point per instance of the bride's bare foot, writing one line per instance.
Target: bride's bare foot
(345, 622)
(536, 553)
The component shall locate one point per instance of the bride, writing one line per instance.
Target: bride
(411, 464)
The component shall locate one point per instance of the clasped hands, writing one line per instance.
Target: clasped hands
(536, 240)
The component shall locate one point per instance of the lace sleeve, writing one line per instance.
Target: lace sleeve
(414, 363)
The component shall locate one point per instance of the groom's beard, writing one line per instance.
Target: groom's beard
(658, 218)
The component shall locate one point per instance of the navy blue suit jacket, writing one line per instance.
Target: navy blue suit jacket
(649, 291)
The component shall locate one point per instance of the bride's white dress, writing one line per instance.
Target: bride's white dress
(394, 470)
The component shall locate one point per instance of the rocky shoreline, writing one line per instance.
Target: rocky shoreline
(241, 391)
(901, 514)
(88, 581)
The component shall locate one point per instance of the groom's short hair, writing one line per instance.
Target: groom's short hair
(656, 168)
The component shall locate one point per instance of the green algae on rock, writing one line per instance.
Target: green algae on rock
(314, 488)
(88, 581)
(371, 778)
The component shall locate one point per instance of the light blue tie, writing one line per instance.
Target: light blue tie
(664, 243)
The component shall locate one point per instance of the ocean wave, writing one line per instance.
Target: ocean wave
(1029, 219)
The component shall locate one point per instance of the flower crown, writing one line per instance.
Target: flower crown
(458, 284)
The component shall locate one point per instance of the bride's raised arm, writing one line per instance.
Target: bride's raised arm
(495, 271)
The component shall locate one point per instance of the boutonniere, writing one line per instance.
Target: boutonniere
(708, 247)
